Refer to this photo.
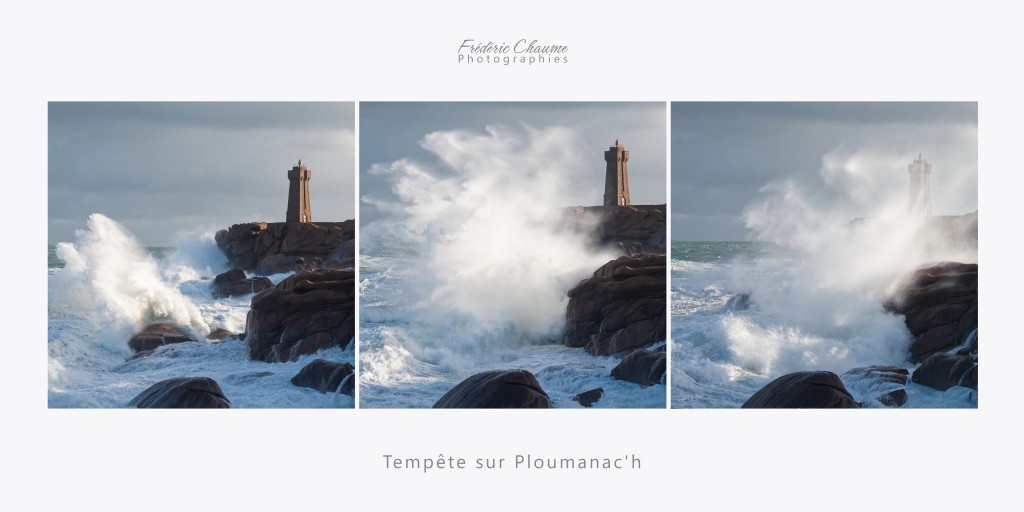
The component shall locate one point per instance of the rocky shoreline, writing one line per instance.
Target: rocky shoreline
(940, 305)
(311, 310)
(619, 311)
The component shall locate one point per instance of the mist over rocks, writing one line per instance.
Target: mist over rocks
(496, 389)
(182, 393)
(620, 308)
(274, 247)
(622, 226)
(304, 313)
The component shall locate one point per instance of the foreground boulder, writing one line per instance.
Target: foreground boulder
(182, 393)
(326, 376)
(155, 335)
(943, 371)
(274, 247)
(304, 313)
(234, 283)
(803, 390)
(588, 398)
(496, 389)
(897, 398)
(940, 303)
(620, 308)
(642, 367)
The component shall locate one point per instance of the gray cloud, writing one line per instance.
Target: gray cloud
(724, 153)
(168, 167)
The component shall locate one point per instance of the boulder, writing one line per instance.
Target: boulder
(304, 313)
(943, 371)
(588, 398)
(620, 308)
(897, 398)
(642, 367)
(803, 390)
(326, 376)
(496, 389)
(182, 393)
(940, 303)
(155, 335)
(273, 248)
(219, 333)
(234, 283)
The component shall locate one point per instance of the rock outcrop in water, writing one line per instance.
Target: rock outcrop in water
(626, 226)
(156, 335)
(940, 303)
(803, 390)
(306, 312)
(326, 377)
(234, 283)
(588, 398)
(643, 367)
(276, 247)
(496, 389)
(943, 371)
(182, 393)
(620, 308)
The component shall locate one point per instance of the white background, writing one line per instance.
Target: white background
(175, 460)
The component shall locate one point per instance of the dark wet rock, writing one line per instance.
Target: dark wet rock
(496, 389)
(301, 315)
(640, 228)
(620, 308)
(273, 248)
(155, 335)
(219, 333)
(246, 377)
(943, 371)
(588, 398)
(326, 376)
(642, 367)
(803, 390)
(234, 283)
(892, 374)
(940, 303)
(739, 302)
(897, 398)
(182, 393)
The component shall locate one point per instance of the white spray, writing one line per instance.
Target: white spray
(493, 261)
(826, 306)
(109, 276)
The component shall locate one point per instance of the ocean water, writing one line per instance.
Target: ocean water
(409, 358)
(744, 313)
(104, 287)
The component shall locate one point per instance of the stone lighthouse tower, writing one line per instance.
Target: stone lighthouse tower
(298, 194)
(920, 189)
(616, 178)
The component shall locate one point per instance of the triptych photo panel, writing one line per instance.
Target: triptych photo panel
(416, 255)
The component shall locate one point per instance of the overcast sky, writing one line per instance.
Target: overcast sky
(166, 167)
(392, 131)
(724, 153)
